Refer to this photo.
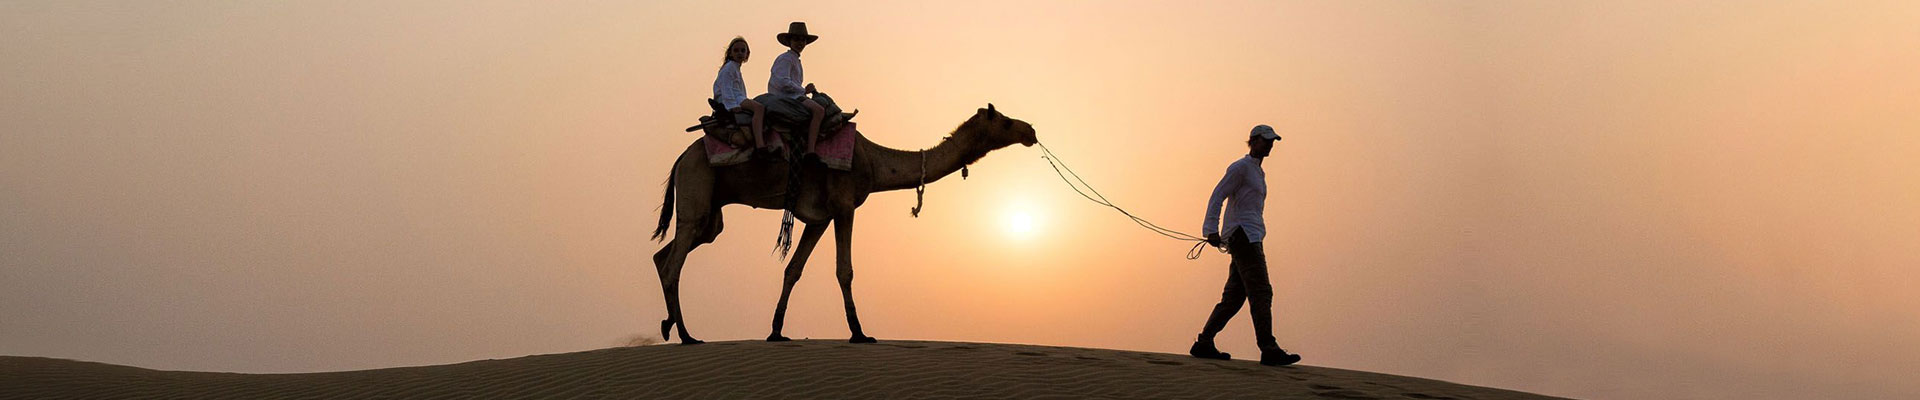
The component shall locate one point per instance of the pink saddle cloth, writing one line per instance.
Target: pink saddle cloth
(835, 150)
(720, 154)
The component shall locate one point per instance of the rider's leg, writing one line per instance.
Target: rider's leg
(759, 122)
(813, 125)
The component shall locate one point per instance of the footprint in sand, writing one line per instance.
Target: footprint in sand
(1345, 394)
(1337, 392)
(1231, 368)
(1386, 386)
(1164, 362)
(1029, 353)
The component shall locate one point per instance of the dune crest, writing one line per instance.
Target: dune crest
(754, 369)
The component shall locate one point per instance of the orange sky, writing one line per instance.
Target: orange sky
(1617, 200)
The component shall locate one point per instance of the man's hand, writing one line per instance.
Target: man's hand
(1213, 239)
(810, 89)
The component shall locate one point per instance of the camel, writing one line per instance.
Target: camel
(697, 190)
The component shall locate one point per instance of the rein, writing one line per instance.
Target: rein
(1060, 168)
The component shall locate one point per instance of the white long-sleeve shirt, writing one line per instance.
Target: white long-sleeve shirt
(787, 79)
(729, 88)
(1244, 190)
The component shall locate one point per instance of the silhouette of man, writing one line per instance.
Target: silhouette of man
(785, 80)
(1244, 190)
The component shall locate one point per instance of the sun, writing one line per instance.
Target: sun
(1020, 223)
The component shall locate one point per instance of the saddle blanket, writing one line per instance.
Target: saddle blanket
(835, 149)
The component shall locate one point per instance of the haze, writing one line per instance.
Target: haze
(1598, 200)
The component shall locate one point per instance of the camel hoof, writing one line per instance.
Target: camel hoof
(863, 339)
(690, 341)
(777, 338)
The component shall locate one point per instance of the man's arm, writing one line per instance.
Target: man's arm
(1210, 227)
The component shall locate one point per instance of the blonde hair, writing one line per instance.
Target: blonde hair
(727, 53)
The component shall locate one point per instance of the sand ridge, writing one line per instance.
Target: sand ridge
(755, 369)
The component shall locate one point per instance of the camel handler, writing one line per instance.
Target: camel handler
(1244, 190)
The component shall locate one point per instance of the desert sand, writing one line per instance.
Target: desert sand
(755, 369)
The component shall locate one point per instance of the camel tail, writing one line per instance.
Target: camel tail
(666, 206)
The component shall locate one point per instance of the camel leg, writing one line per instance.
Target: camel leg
(843, 237)
(660, 265)
(660, 257)
(670, 287)
(692, 233)
(808, 238)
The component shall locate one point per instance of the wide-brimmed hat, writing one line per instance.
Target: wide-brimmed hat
(796, 30)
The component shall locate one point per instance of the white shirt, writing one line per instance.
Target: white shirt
(1244, 189)
(787, 79)
(728, 88)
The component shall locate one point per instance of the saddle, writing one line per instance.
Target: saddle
(726, 139)
(786, 113)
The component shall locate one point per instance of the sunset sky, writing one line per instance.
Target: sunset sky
(1625, 199)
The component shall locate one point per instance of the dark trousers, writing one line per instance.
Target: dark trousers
(1246, 283)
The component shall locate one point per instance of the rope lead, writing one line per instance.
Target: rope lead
(1060, 168)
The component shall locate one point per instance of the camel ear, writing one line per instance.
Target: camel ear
(991, 114)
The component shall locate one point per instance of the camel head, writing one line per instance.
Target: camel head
(996, 130)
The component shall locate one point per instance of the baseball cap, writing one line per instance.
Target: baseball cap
(1264, 131)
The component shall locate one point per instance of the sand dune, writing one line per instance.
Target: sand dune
(753, 369)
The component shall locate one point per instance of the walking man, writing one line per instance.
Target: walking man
(1244, 190)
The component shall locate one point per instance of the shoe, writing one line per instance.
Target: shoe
(1278, 357)
(1206, 350)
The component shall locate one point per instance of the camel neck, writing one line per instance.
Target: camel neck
(905, 169)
